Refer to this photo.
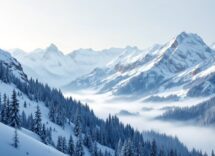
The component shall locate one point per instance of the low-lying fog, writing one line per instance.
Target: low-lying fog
(191, 135)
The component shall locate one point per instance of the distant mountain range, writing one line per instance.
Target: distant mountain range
(51, 66)
(176, 68)
(184, 66)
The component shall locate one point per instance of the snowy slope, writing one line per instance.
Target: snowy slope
(116, 70)
(51, 66)
(67, 131)
(13, 65)
(28, 136)
(180, 64)
(28, 144)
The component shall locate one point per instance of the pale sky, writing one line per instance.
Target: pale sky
(98, 24)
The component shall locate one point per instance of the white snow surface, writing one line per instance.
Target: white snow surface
(30, 109)
(28, 145)
(13, 65)
(183, 60)
(52, 66)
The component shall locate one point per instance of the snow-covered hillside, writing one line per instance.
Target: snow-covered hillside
(51, 66)
(176, 67)
(54, 121)
(29, 143)
(12, 64)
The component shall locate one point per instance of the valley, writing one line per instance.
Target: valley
(191, 134)
(164, 92)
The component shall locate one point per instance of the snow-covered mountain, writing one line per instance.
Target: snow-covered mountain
(177, 66)
(12, 64)
(213, 46)
(38, 120)
(51, 66)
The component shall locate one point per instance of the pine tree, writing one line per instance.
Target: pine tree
(49, 136)
(64, 145)
(94, 149)
(119, 148)
(71, 148)
(8, 110)
(4, 110)
(77, 128)
(24, 120)
(127, 149)
(59, 143)
(30, 123)
(15, 139)
(79, 151)
(153, 149)
(0, 106)
(171, 153)
(43, 134)
(37, 126)
(14, 112)
(52, 114)
(88, 140)
(212, 153)
(161, 153)
(25, 104)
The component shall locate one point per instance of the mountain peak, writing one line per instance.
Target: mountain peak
(185, 37)
(53, 49)
(131, 48)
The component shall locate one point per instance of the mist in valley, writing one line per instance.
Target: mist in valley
(192, 135)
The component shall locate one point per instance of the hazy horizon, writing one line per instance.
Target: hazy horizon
(101, 24)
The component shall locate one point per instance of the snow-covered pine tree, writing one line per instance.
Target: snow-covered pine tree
(43, 134)
(8, 110)
(59, 143)
(173, 153)
(15, 139)
(88, 140)
(153, 149)
(118, 148)
(64, 145)
(30, 122)
(37, 125)
(77, 128)
(71, 148)
(49, 136)
(161, 153)
(25, 104)
(4, 110)
(14, 119)
(212, 153)
(24, 120)
(52, 115)
(79, 151)
(127, 149)
(94, 149)
(0, 106)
